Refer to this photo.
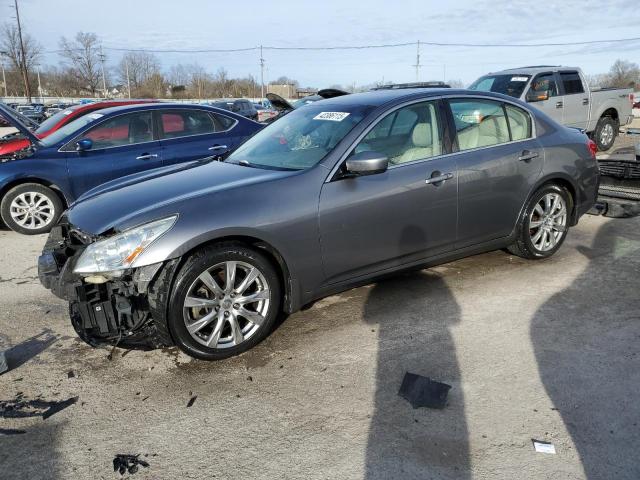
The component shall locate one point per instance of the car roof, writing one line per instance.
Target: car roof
(156, 105)
(533, 69)
(380, 97)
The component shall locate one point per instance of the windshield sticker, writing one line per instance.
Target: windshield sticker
(95, 116)
(519, 79)
(332, 116)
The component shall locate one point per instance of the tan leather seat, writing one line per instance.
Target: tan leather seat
(492, 131)
(423, 145)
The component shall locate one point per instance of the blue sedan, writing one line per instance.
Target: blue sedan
(39, 182)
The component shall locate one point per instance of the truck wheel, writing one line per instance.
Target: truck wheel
(605, 133)
(543, 224)
(30, 209)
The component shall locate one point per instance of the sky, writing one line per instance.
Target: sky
(200, 24)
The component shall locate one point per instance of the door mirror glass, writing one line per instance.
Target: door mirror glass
(84, 144)
(367, 163)
(534, 96)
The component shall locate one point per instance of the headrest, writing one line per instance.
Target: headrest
(421, 135)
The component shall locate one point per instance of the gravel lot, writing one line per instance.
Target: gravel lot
(545, 350)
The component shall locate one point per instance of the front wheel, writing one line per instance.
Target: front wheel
(30, 209)
(543, 225)
(225, 300)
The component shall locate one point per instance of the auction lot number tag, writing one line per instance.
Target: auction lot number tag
(332, 116)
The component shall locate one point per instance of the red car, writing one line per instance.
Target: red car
(60, 119)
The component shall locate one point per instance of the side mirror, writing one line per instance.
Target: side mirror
(84, 144)
(367, 163)
(534, 96)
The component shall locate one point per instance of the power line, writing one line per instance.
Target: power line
(376, 46)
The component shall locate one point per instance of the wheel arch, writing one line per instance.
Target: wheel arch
(40, 181)
(610, 112)
(565, 182)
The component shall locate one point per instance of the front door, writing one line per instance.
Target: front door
(121, 145)
(371, 223)
(498, 163)
(554, 105)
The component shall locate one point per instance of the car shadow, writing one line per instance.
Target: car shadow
(413, 315)
(30, 452)
(28, 349)
(585, 340)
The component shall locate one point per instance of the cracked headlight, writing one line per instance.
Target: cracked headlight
(120, 251)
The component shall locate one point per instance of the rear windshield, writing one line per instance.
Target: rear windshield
(53, 120)
(512, 85)
(300, 139)
(70, 128)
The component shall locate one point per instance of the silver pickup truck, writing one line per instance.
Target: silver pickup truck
(563, 94)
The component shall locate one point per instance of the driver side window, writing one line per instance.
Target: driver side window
(406, 135)
(543, 83)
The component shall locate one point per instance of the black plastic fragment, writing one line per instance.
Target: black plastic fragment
(421, 391)
(71, 374)
(192, 400)
(11, 431)
(124, 463)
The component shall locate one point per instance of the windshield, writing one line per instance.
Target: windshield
(512, 85)
(70, 128)
(300, 139)
(53, 120)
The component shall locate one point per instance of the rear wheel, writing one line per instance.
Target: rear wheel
(543, 225)
(31, 208)
(605, 133)
(225, 300)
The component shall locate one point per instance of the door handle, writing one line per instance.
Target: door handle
(559, 104)
(526, 155)
(147, 156)
(219, 147)
(585, 101)
(438, 178)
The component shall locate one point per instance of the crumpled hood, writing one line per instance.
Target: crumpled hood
(142, 197)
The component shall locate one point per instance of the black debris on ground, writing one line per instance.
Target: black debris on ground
(192, 400)
(421, 391)
(123, 463)
(4, 366)
(71, 374)
(11, 431)
(22, 408)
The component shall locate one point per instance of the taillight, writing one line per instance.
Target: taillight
(593, 148)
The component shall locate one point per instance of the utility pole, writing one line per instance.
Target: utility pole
(4, 81)
(23, 63)
(126, 64)
(417, 65)
(261, 75)
(39, 86)
(101, 56)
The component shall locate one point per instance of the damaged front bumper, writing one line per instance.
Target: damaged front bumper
(127, 308)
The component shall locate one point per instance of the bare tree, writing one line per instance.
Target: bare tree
(83, 54)
(143, 70)
(624, 74)
(10, 48)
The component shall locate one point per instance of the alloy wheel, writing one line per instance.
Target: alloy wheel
(606, 134)
(32, 210)
(548, 222)
(226, 304)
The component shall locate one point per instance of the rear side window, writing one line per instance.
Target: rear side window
(571, 82)
(122, 130)
(479, 123)
(519, 122)
(222, 123)
(183, 123)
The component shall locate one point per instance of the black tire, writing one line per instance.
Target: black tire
(604, 124)
(523, 245)
(54, 210)
(191, 270)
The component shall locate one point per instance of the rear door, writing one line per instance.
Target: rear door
(371, 223)
(498, 162)
(191, 134)
(547, 82)
(576, 100)
(121, 145)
